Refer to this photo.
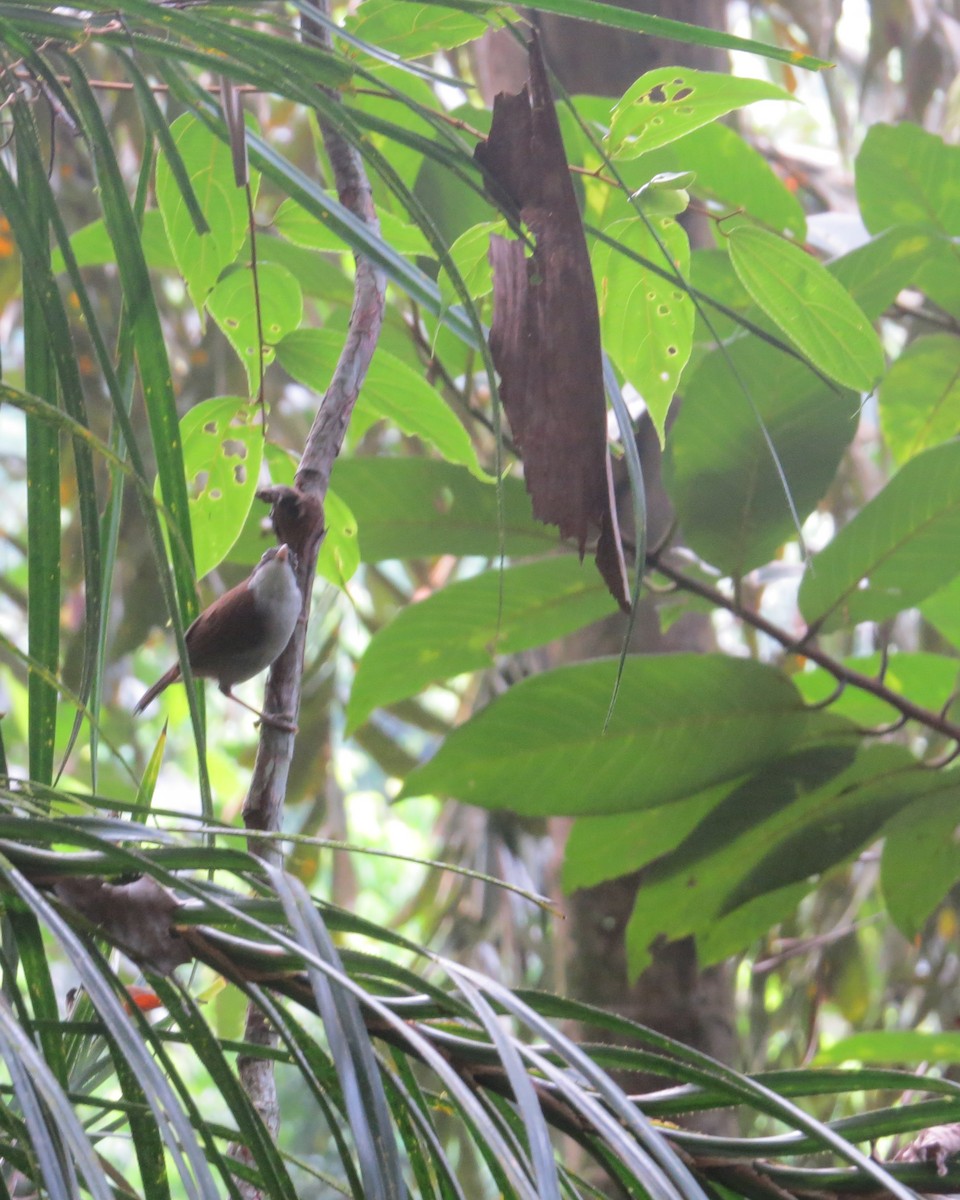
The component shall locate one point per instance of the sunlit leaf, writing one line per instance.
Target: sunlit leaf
(646, 320)
(921, 859)
(906, 175)
(413, 30)
(815, 311)
(304, 229)
(201, 258)
(666, 103)
(244, 305)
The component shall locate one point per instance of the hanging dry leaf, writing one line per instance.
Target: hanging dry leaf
(545, 336)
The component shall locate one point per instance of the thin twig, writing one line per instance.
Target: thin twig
(805, 646)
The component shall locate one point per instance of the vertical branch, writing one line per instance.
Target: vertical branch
(298, 520)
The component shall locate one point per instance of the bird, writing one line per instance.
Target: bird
(243, 632)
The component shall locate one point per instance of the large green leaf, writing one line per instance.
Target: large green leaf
(602, 848)
(718, 468)
(202, 257)
(896, 551)
(467, 624)
(906, 176)
(669, 102)
(876, 271)
(769, 834)
(391, 391)
(681, 723)
(413, 508)
(815, 311)
(93, 248)
(920, 396)
(646, 321)
(921, 857)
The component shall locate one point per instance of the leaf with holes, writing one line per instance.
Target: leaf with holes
(665, 104)
(647, 321)
(233, 305)
(202, 257)
(222, 452)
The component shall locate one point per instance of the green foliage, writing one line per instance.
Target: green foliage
(743, 783)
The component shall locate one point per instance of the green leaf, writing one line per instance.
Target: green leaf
(682, 723)
(794, 818)
(895, 552)
(665, 104)
(202, 258)
(392, 391)
(822, 830)
(463, 628)
(921, 857)
(92, 246)
(927, 679)
(920, 396)
(646, 321)
(469, 254)
(942, 610)
(233, 305)
(730, 172)
(816, 312)
(906, 175)
(415, 508)
(302, 228)
(876, 271)
(414, 30)
(718, 469)
(602, 848)
(910, 1047)
(222, 452)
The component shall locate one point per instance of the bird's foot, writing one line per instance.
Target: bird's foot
(279, 721)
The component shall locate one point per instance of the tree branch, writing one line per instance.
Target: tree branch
(807, 647)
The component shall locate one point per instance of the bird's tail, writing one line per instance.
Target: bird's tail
(152, 693)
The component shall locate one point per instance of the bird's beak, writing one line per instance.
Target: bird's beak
(283, 553)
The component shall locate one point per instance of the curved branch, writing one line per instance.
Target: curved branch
(937, 722)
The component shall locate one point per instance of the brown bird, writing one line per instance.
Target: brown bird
(243, 632)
